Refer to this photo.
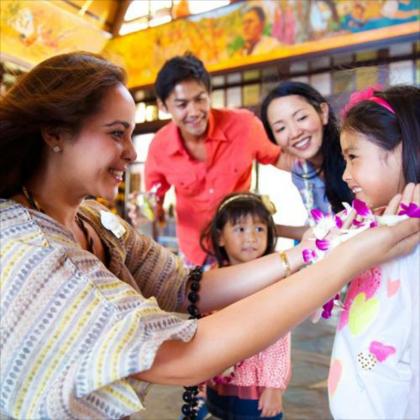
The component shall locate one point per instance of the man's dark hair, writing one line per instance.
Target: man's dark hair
(179, 69)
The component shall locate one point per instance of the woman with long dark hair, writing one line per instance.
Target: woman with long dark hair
(299, 119)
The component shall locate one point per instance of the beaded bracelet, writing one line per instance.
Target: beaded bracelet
(189, 408)
(286, 263)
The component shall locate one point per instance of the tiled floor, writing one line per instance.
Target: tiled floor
(305, 399)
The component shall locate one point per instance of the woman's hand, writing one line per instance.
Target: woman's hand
(411, 194)
(334, 234)
(375, 246)
(270, 402)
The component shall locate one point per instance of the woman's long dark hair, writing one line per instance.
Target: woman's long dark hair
(232, 208)
(387, 130)
(61, 92)
(333, 164)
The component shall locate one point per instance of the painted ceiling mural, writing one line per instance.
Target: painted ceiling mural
(254, 31)
(240, 34)
(35, 30)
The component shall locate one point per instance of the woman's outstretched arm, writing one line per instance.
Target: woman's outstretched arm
(250, 325)
(228, 285)
(224, 286)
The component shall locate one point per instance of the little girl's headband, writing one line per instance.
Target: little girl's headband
(382, 102)
(268, 204)
(366, 95)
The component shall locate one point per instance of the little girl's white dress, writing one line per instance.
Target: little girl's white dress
(374, 372)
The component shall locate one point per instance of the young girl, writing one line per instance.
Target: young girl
(242, 230)
(374, 372)
(300, 120)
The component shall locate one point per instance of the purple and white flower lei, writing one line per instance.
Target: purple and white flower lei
(365, 219)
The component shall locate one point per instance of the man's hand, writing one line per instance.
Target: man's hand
(159, 213)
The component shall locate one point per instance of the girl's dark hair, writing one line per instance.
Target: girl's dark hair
(333, 164)
(61, 93)
(387, 130)
(232, 208)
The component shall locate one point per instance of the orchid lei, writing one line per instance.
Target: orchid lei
(364, 220)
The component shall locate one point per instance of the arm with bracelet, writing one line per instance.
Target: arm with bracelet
(248, 278)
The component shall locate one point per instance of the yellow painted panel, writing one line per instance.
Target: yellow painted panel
(103, 10)
(291, 28)
(35, 30)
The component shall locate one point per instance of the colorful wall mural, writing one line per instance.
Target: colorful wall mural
(241, 34)
(35, 30)
(259, 30)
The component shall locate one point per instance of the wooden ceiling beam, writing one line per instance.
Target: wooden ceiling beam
(119, 16)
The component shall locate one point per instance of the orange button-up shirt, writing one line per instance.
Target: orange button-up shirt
(235, 139)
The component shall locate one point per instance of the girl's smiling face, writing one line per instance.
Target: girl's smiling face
(374, 174)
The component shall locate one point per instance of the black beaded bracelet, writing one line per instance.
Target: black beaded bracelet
(189, 408)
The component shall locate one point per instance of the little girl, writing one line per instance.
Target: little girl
(374, 372)
(242, 230)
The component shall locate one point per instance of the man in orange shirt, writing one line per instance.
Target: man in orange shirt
(205, 153)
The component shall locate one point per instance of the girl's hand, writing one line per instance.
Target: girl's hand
(309, 234)
(270, 402)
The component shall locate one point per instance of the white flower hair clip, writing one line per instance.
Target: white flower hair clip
(111, 222)
(269, 205)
